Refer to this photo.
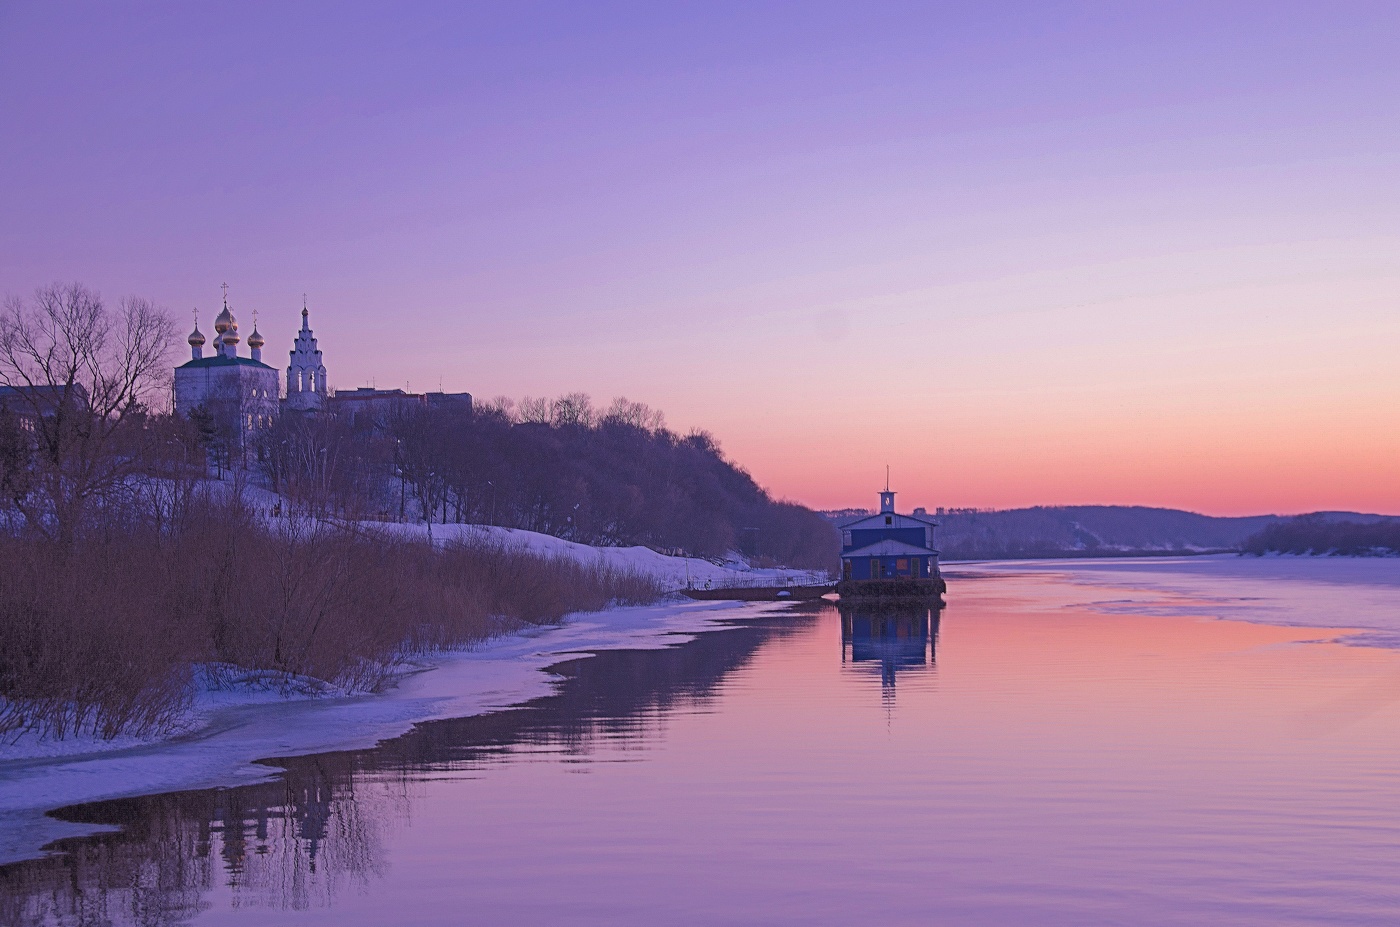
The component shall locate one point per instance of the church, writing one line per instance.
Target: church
(241, 394)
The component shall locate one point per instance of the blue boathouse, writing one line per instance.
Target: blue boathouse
(885, 551)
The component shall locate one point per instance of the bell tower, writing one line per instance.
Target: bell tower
(306, 374)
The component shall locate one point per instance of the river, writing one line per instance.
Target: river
(1183, 742)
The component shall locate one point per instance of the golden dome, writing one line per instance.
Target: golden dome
(231, 336)
(196, 338)
(225, 322)
(255, 340)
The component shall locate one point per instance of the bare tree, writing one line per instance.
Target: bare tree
(82, 378)
(624, 411)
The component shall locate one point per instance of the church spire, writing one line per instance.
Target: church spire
(306, 374)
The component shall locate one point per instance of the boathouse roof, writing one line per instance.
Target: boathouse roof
(896, 521)
(890, 548)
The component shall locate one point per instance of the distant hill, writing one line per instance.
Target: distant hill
(1097, 531)
(1310, 534)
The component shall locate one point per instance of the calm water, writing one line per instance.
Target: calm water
(1019, 758)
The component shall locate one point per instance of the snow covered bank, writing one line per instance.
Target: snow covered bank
(672, 572)
(235, 729)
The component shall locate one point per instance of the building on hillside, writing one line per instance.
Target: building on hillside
(306, 373)
(889, 554)
(457, 402)
(237, 395)
(32, 404)
(369, 407)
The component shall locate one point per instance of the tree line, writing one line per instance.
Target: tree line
(82, 432)
(603, 476)
(1313, 534)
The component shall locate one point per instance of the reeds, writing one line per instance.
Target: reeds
(102, 635)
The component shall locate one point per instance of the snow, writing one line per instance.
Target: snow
(673, 572)
(231, 728)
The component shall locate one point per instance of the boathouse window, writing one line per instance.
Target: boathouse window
(889, 519)
(846, 538)
(902, 565)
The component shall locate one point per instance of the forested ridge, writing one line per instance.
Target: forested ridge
(1311, 534)
(612, 476)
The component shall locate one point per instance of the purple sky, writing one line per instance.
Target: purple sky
(1022, 252)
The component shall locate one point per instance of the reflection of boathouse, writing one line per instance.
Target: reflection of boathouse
(896, 635)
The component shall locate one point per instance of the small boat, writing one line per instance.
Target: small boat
(890, 556)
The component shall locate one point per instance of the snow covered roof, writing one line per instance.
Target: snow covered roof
(898, 521)
(888, 548)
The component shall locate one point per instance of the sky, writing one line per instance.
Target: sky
(1021, 253)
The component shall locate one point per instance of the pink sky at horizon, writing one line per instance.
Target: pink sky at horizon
(1023, 254)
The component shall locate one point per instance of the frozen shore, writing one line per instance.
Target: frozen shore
(233, 730)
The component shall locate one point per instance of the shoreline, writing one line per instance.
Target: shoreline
(226, 748)
(512, 669)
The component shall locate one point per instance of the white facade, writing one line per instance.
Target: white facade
(239, 394)
(306, 374)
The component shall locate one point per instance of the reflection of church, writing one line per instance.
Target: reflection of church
(889, 635)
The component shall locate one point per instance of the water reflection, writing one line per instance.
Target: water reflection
(889, 636)
(295, 843)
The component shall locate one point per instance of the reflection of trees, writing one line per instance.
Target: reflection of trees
(288, 844)
(296, 842)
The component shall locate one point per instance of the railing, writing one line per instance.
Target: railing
(783, 580)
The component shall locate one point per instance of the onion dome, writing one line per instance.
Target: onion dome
(231, 336)
(196, 338)
(225, 322)
(255, 340)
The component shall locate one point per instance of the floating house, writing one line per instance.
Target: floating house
(889, 555)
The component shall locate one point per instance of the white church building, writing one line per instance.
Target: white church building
(241, 394)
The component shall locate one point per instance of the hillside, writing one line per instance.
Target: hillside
(1098, 531)
(1313, 535)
